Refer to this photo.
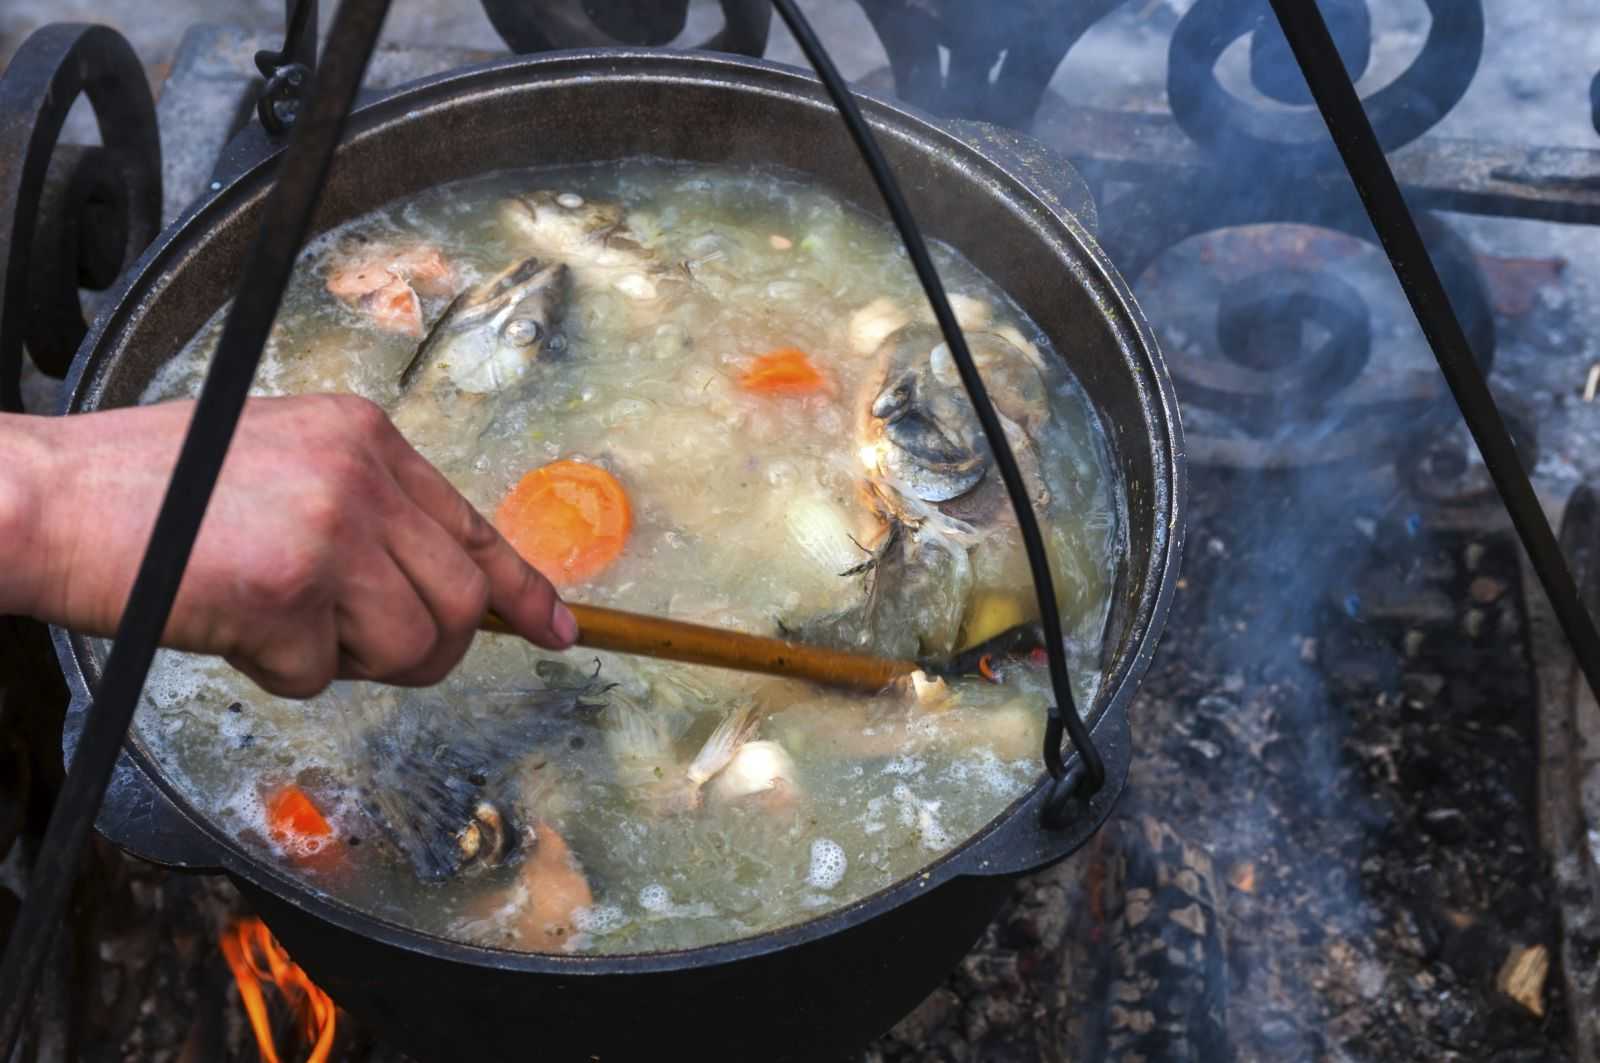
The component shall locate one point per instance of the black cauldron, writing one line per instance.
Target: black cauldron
(822, 988)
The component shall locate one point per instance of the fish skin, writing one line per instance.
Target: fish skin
(423, 771)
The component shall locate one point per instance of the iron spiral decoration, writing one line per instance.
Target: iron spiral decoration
(1295, 362)
(554, 24)
(1230, 127)
(71, 216)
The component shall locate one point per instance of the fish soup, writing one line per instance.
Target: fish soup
(707, 394)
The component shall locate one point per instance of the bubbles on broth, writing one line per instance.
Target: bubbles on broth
(828, 864)
(747, 508)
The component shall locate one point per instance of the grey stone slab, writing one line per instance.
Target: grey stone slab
(210, 96)
(205, 99)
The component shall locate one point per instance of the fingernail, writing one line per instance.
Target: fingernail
(564, 623)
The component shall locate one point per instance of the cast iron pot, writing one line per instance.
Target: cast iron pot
(821, 988)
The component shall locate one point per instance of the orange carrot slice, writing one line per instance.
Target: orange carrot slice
(785, 371)
(295, 823)
(568, 519)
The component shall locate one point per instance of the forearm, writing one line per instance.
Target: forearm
(27, 469)
(72, 501)
(329, 547)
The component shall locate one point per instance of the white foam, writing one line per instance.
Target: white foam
(600, 919)
(985, 769)
(904, 764)
(923, 815)
(828, 864)
(175, 678)
(234, 726)
(873, 822)
(655, 898)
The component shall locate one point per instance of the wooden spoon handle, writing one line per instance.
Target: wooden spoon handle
(600, 628)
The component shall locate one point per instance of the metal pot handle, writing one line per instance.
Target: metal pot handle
(1023, 842)
(1045, 171)
(135, 815)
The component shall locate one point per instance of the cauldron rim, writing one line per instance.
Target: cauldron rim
(795, 85)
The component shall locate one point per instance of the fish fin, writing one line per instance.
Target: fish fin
(637, 734)
(887, 556)
(733, 732)
(424, 349)
(876, 554)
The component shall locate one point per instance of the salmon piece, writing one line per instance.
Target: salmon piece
(393, 307)
(350, 282)
(425, 268)
(556, 888)
(384, 281)
(537, 910)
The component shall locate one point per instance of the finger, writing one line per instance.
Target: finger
(299, 660)
(523, 597)
(386, 632)
(446, 580)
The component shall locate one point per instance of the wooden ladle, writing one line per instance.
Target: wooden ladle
(600, 628)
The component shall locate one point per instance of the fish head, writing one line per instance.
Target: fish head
(560, 224)
(491, 334)
(920, 429)
(595, 238)
(443, 779)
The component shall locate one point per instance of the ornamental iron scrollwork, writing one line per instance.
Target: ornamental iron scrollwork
(553, 24)
(71, 216)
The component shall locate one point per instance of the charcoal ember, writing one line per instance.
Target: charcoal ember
(1167, 996)
(10, 905)
(1331, 763)
(16, 782)
(1423, 688)
(1446, 824)
(1285, 1036)
(1530, 1054)
(1024, 990)
(936, 1013)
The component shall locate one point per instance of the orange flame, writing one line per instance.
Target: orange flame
(255, 956)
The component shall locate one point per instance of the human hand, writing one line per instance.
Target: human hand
(330, 549)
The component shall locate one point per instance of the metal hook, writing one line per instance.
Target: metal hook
(288, 71)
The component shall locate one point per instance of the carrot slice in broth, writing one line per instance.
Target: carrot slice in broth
(785, 371)
(295, 822)
(568, 519)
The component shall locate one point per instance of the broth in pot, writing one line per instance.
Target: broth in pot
(701, 393)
